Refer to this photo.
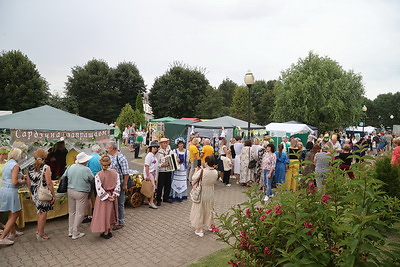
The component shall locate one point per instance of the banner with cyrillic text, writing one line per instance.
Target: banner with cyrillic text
(72, 136)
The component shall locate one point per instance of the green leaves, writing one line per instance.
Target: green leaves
(319, 92)
(347, 225)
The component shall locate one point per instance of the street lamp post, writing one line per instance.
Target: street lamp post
(364, 109)
(249, 81)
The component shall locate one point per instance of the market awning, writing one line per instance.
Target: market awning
(226, 122)
(46, 122)
(165, 119)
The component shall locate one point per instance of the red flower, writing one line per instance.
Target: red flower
(363, 259)
(268, 211)
(335, 248)
(214, 229)
(312, 191)
(278, 209)
(247, 211)
(325, 198)
(259, 210)
(267, 251)
(262, 218)
(311, 185)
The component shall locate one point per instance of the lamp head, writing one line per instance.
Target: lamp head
(249, 78)
(364, 108)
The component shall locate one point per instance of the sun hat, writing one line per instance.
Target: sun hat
(82, 157)
(154, 144)
(163, 140)
(105, 160)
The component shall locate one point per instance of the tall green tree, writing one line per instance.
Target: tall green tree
(128, 82)
(91, 86)
(239, 108)
(139, 119)
(176, 93)
(21, 85)
(265, 108)
(319, 92)
(227, 89)
(211, 105)
(126, 116)
(385, 105)
(139, 103)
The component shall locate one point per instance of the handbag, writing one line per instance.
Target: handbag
(63, 185)
(44, 193)
(253, 162)
(195, 193)
(147, 189)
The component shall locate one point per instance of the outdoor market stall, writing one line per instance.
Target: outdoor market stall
(278, 130)
(231, 126)
(42, 127)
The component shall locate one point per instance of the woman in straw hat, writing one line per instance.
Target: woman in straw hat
(80, 179)
(105, 214)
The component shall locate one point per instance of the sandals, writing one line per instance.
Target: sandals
(42, 237)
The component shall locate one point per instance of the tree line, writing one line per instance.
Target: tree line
(316, 90)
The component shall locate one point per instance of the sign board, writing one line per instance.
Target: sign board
(73, 136)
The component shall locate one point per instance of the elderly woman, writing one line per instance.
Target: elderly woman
(9, 201)
(194, 156)
(80, 179)
(202, 213)
(322, 162)
(247, 154)
(150, 169)
(108, 188)
(179, 179)
(293, 171)
(396, 152)
(40, 173)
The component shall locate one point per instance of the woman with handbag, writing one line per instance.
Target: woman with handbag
(202, 213)
(150, 168)
(39, 175)
(9, 201)
(105, 214)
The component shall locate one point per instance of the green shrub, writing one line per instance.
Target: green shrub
(346, 225)
(390, 175)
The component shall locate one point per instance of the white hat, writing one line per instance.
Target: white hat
(82, 157)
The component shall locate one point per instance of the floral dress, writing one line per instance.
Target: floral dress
(35, 177)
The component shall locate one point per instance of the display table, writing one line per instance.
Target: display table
(28, 210)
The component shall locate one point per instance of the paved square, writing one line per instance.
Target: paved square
(160, 237)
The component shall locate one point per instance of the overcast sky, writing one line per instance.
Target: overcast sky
(226, 37)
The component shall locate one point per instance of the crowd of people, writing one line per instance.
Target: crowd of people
(106, 177)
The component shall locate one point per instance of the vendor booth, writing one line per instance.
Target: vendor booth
(157, 127)
(177, 128)
(44, 127)
(231, 126)
(360, 131)
(278, 130)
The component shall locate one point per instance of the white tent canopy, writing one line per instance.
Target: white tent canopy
(288, 128)
(367, 129)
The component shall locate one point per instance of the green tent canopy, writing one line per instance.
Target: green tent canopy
(165, 119)
(47, 118)
(177, 128)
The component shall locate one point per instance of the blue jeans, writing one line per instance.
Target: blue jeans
(121, 207)
(268, 182)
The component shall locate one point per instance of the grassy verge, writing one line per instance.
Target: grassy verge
(218, 258)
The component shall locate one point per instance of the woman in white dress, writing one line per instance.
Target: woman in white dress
(179, 179)
(238, 150)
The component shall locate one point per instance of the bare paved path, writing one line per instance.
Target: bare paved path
(160, 237)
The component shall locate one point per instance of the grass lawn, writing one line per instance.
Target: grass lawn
(218, 258)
